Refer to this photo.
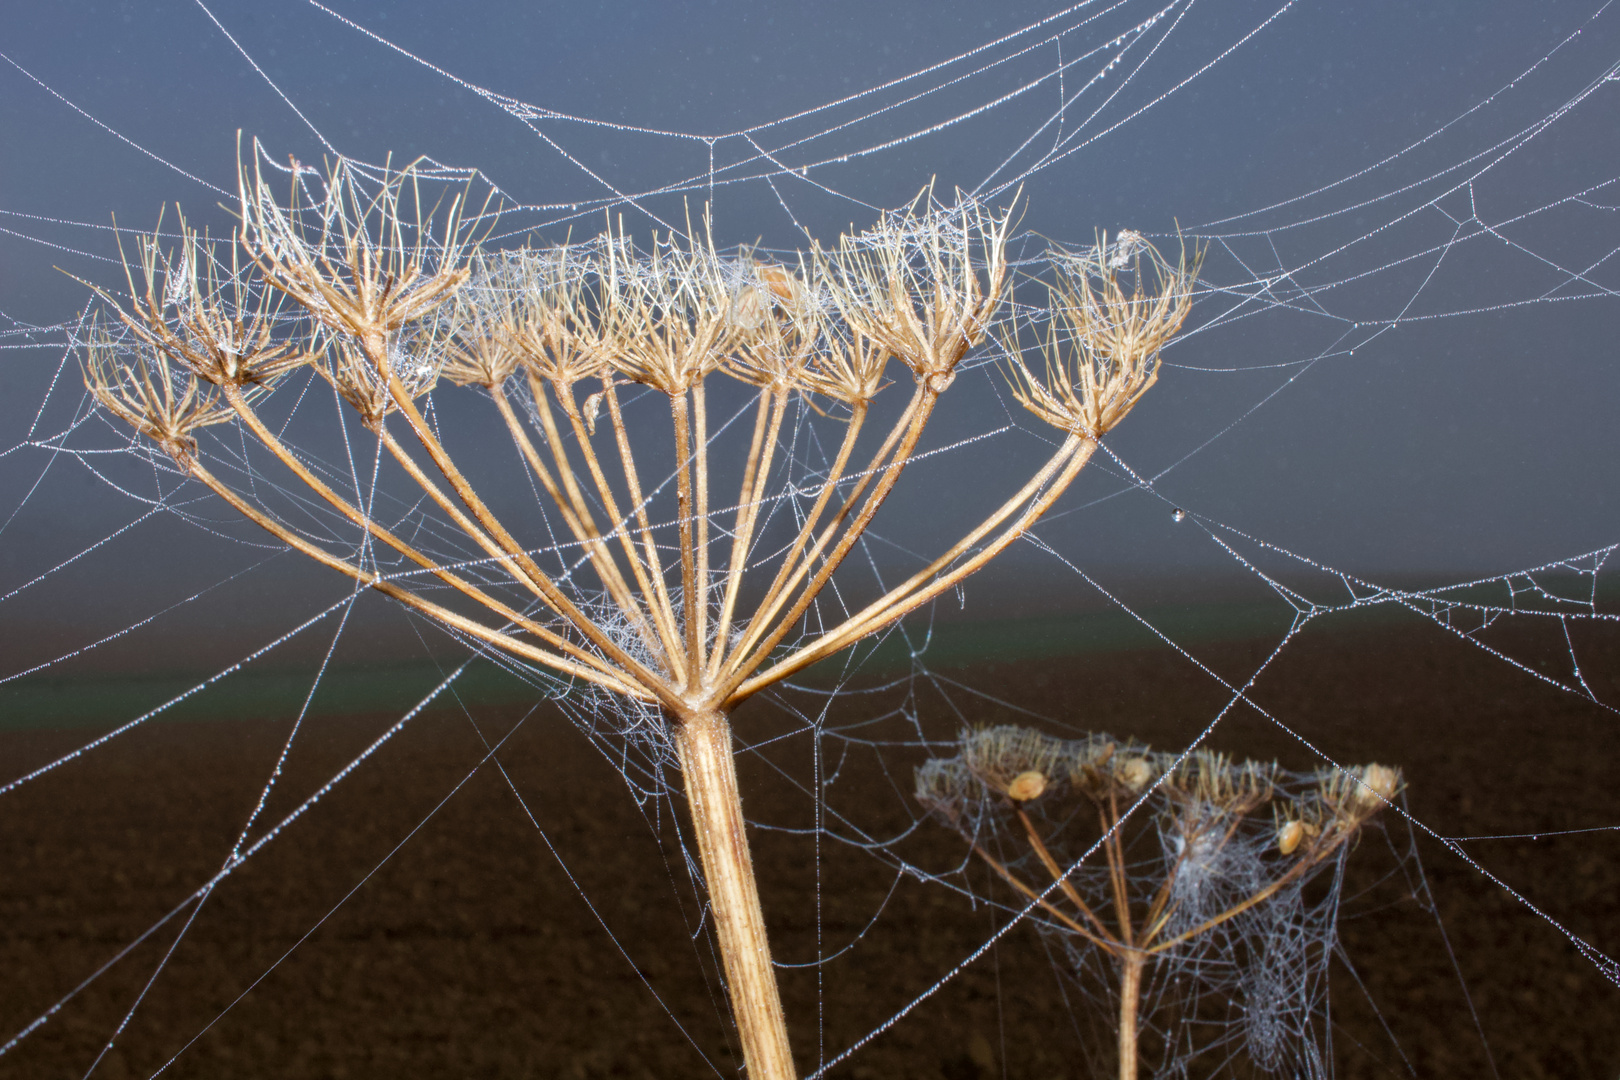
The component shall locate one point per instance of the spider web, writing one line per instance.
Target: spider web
(1495, 217)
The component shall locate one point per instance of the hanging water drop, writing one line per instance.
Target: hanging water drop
(1178, 515)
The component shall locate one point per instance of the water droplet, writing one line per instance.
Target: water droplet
(1178, 515)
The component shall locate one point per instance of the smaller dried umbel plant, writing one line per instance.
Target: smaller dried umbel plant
(669, 600)
(1195, 895)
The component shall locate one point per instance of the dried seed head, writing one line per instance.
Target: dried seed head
(1102, 345)
(135, 383)
(1026, 786)
(925, 284)
(367, 255)
(666, 319)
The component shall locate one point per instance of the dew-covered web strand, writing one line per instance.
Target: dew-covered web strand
(358, 885)
(120, 137)
(280, 93)
(1501, 151)
(138, 624)
(1479, 105)
(242, 835)
(562, 864)
(1607, 966)
(710, 179)
(242, 856)
(29, 441)
(184, 695)
(1435, 606)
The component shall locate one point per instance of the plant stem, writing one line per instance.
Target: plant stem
(1130, 989)
(704, 742)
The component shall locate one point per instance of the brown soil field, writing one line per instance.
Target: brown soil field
(487, 944)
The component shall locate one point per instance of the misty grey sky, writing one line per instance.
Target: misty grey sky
(1464, 441)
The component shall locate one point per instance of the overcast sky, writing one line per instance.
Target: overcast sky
(1474, 437)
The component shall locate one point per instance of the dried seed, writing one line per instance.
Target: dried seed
(778, 280)
(1380, 783)
(1026, 786)
(1135, 772)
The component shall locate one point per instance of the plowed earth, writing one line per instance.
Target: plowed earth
(570, 945)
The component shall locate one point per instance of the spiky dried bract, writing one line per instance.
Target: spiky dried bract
(206, 316)
(542, 310)
(924, 284)
(378, 257)
(1216, 780)
(135, 382)
(666, 319)
(1163, 879)
(849, 368)
(790, 338)
(416, 357)
(1102, 344)
(475, 326)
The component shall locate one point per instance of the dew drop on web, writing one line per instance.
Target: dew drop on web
(1178, 515)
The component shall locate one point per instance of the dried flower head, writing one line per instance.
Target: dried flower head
(206, 316)
(377, 260)
(924, 284)
(1103, 342)
(137, 384)
(666, 320)
(1180, 901)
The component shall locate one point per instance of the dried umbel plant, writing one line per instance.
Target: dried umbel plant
(673, 611)
(1198, 903)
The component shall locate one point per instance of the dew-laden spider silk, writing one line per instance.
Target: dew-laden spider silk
(1196, 897)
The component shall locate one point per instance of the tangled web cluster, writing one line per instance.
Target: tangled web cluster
(1179, 885)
